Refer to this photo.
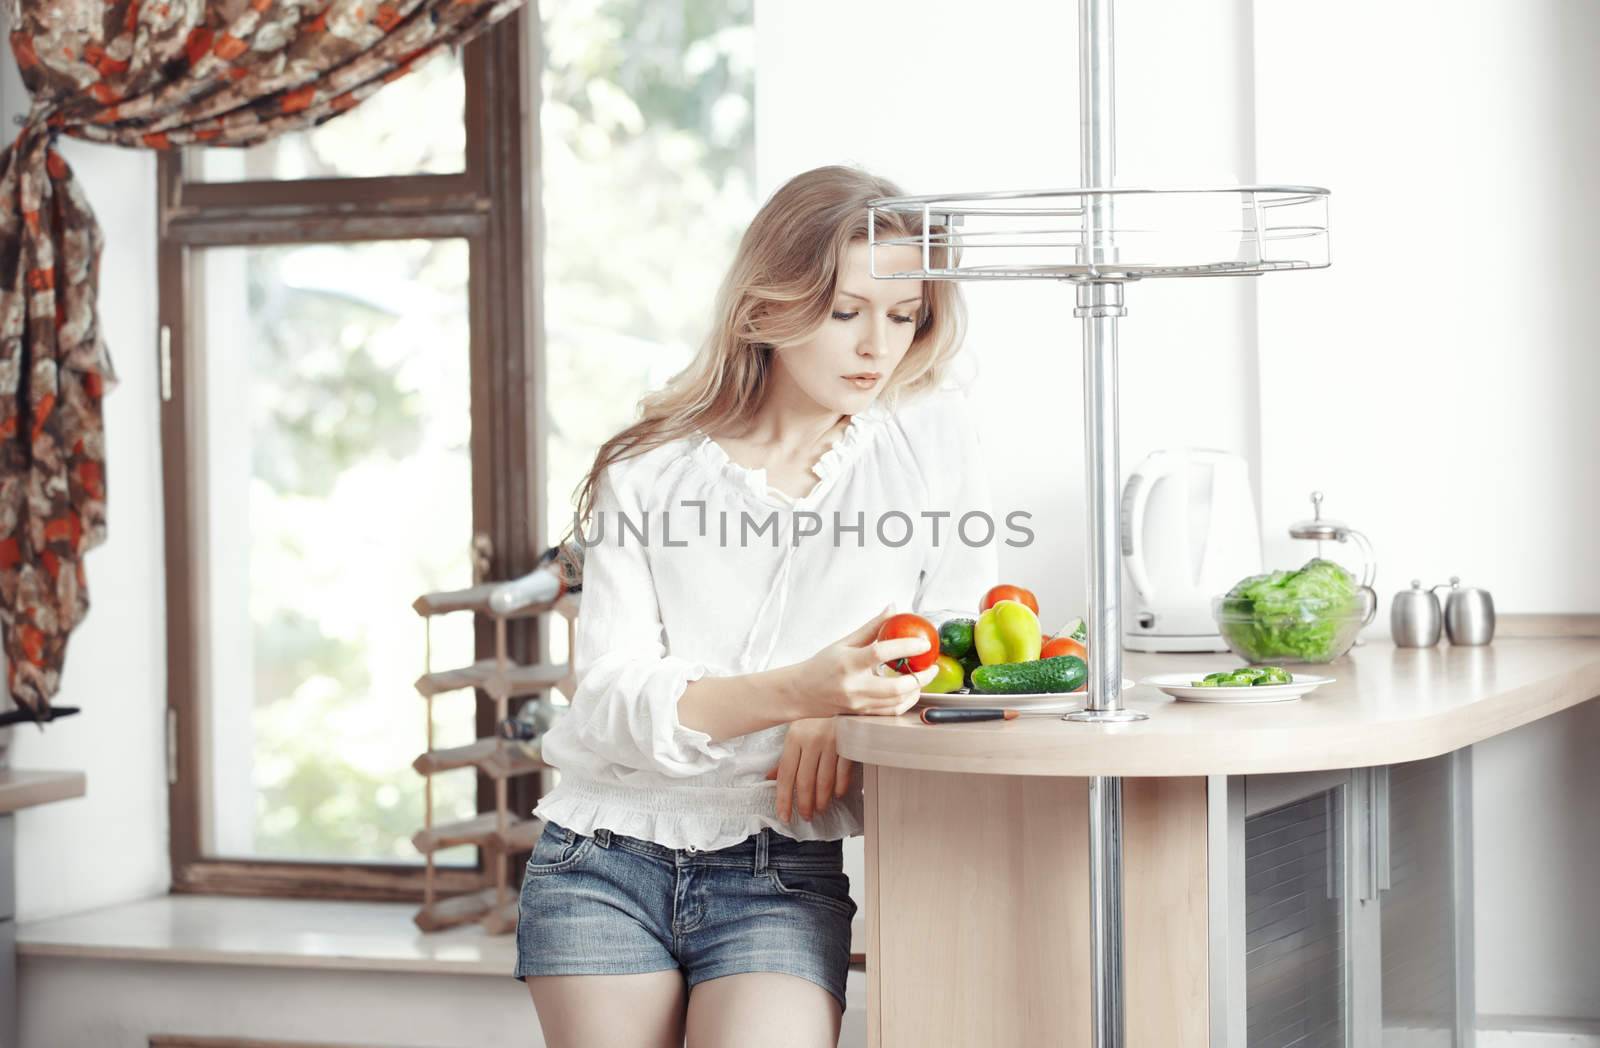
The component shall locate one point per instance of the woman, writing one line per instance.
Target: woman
(806, 469)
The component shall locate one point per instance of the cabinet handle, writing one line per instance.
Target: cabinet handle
(1375, 821)
(1380, 827)
(1336, 835)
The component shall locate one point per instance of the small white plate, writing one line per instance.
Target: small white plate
(1043, 701)
(1181, 686)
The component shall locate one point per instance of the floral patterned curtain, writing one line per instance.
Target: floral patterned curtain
(155, 74)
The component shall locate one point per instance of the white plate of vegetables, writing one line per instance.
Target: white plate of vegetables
(1043, 701)
(1247, 684)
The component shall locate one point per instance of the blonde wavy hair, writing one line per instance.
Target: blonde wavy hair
(779, 291)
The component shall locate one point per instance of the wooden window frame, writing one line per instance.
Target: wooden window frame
(493, 205)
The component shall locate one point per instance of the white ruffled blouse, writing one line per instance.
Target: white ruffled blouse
(708, 570)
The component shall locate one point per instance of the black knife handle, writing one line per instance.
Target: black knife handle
(956, 715)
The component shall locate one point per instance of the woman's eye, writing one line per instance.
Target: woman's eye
(899, 319)
(839, 315)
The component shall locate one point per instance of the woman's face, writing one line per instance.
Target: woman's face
(867, 332)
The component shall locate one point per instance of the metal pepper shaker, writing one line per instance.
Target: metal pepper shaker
(1415, 618)
(1468, 614)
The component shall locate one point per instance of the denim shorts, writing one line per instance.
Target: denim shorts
(611, 904)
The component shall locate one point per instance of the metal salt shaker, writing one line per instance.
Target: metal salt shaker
(1468, 614)
(1415, 618)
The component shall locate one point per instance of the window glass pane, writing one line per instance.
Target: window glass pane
(334, 388)
(415, 125)
(648, 180)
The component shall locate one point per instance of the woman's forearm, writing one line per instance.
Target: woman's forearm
(727, 707)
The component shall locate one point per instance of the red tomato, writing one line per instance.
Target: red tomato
(1004, 592)
(908, 625)
(1063, 646)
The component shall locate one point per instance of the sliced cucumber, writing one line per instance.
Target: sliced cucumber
(1246, 677)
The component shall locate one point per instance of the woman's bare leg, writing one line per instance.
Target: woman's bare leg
(770, 1009)
(610, 1011)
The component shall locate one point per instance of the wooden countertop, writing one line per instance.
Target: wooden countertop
(1388, 705)
(26, 789)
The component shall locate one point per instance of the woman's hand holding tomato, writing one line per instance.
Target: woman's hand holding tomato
(909, 625)
(843, 678)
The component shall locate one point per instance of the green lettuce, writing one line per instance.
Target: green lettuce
(1301, 616)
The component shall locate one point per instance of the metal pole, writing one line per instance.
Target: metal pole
(1097, 110)
(1105, 911)
(1100, 304)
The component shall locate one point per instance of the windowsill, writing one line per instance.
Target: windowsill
(27, 789)
(273, 933)
(277, 933)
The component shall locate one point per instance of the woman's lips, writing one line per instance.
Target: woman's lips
(862, 383)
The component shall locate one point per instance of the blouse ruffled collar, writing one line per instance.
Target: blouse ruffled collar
(833, 461)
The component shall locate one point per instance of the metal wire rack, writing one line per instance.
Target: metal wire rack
(1138, 233)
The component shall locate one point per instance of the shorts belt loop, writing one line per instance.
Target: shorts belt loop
(761, 848)
(602, 837)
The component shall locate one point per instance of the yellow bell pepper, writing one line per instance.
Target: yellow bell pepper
(1007, 632)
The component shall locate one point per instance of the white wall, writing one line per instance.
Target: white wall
(1438, 382)
(111, 845)
(1537, 843)
(135, 999)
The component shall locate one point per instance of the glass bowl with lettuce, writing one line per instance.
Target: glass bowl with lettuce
(1309, 615)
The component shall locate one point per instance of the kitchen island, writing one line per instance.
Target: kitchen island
(1291, 870)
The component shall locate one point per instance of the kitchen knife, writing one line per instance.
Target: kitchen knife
(962, 715)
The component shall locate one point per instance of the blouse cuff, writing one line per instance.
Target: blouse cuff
(690, 749)
(629, 706)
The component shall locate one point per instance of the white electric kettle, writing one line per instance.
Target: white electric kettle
(1189, 532)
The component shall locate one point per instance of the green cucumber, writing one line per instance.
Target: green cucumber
(969, 663)
(955, 638)
(1061, 673)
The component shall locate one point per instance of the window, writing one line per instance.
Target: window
(372, 364)
(335, 398)
(349, 334)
